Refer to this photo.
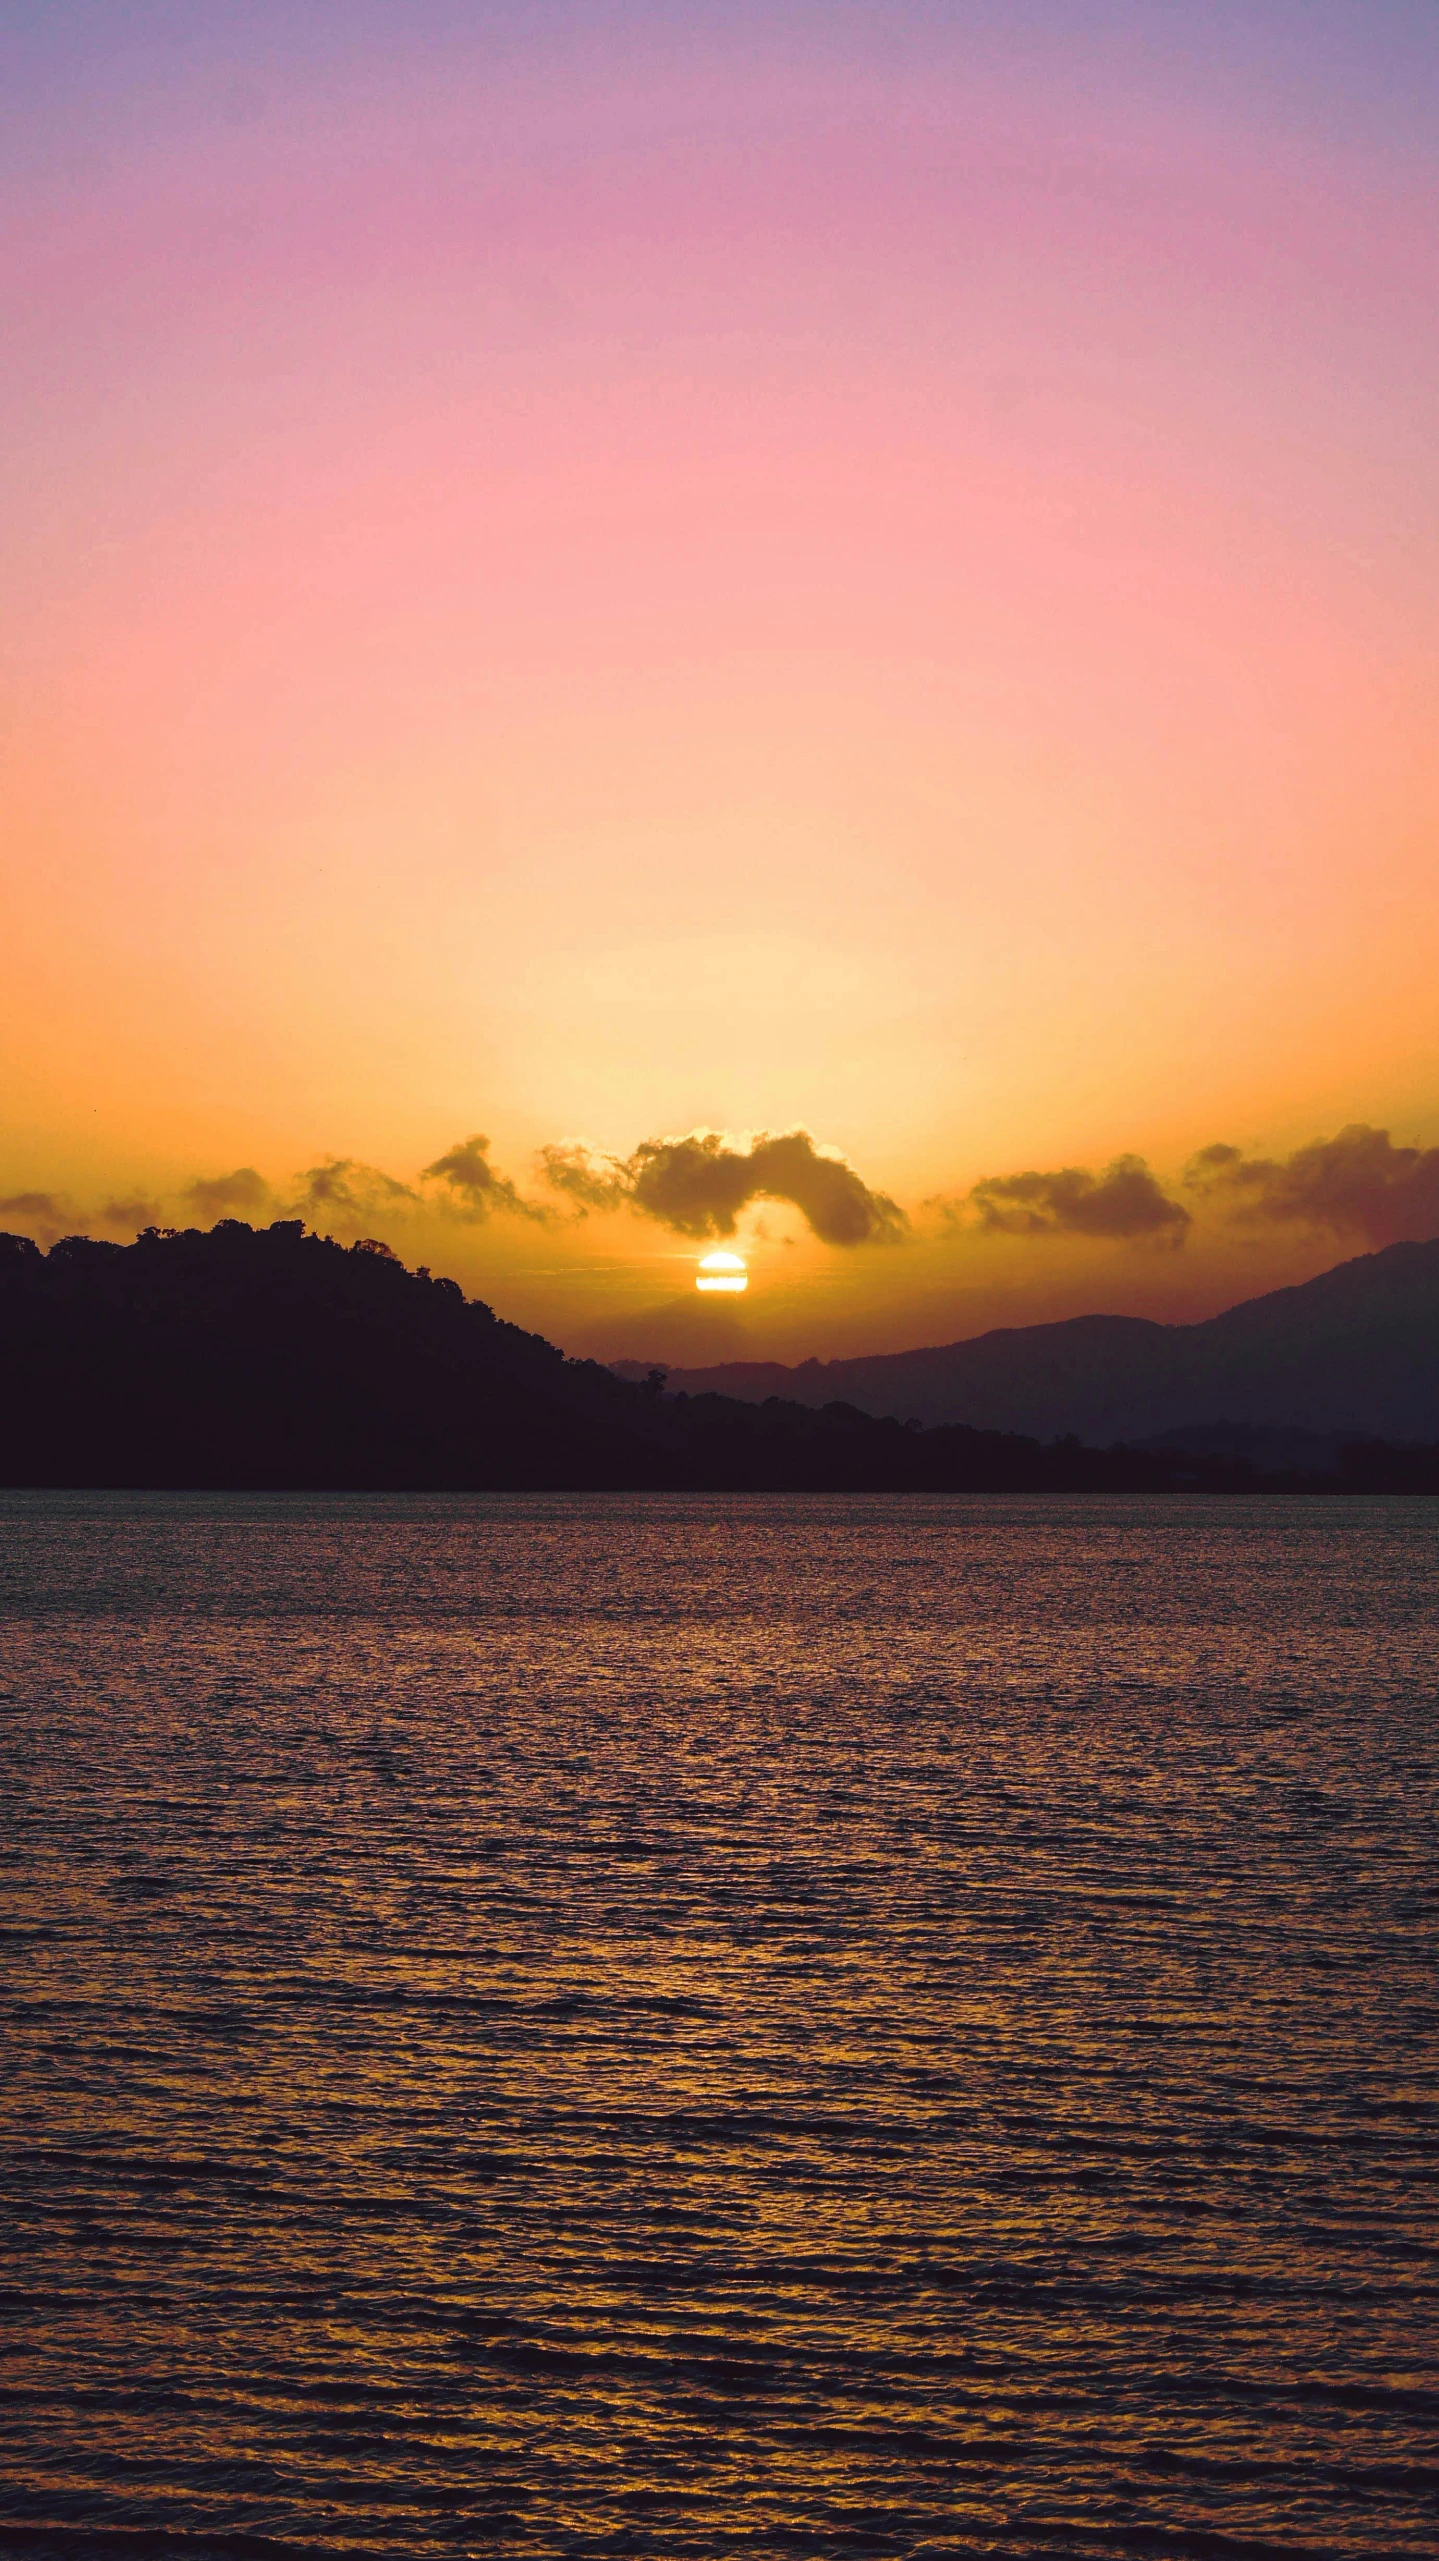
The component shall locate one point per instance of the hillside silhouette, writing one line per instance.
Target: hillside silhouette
(272, 1358)
(1354, 1353)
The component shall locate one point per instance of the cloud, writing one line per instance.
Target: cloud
(341, 1193)
(228, 1195)
(699, 1184)
(584, 1175)
(135, 1213)
(52, 1215)
(1125, 1202)
(1356, 1184)
(473, 1188)
(345, 1191)
(49, 1213)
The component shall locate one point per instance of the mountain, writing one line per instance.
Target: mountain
(272, 1358)
(1355, 1352)
(244, 1358)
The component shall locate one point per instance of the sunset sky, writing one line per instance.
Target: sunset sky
(580, 575)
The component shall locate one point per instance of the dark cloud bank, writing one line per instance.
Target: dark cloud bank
(1358, 1184)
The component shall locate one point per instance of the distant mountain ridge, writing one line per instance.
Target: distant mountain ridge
(1354, 1351)
(272, 1358)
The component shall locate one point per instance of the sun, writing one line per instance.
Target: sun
(722, 1271)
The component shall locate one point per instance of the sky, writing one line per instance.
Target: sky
(633, 627)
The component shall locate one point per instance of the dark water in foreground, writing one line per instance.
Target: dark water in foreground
(703, 2025)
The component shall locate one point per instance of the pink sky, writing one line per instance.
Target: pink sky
(685, 568)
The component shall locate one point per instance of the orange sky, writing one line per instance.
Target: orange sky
(683, 568)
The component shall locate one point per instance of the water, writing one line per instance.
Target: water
(683, 2026)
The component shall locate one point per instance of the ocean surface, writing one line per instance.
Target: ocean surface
(706, 2025)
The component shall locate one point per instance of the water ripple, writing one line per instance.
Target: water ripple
(677, 2026)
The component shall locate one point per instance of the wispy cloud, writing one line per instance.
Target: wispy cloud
(45, 1215)
(472, 1185)
(234, 1195)
(132, 1213)
(345, 1192)
(584, 1175)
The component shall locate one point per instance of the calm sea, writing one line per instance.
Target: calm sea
(705, 2025)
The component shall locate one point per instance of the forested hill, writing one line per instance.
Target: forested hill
(273, 1358)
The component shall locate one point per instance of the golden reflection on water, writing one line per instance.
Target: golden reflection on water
(689, 2025)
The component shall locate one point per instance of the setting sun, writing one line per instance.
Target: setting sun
(722, 1271)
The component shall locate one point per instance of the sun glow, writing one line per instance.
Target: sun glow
(722, 1271)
